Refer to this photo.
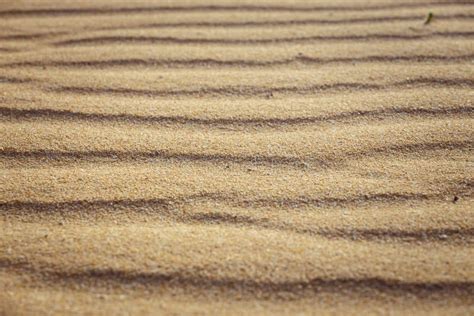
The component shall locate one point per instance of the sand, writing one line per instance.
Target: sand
(236, 157)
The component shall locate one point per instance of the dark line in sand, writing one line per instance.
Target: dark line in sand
(172, 209)
(5, 79)
(207, 8)
(66, 115)
(209, 62)
(323, 161)
(167, 206)
(255, 91)
(175, 40)
(417, 235)
(111, 155)
(30, 36)
(8, 50)
(199, 284)
(377, 19)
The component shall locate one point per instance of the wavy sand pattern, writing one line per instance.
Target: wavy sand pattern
(234, 157)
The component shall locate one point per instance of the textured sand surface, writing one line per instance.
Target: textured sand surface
(236, 157)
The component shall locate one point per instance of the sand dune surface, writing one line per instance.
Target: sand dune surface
(236, 157)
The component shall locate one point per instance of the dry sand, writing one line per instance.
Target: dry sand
(236, 157)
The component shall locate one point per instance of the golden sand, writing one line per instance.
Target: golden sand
(236, 157)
